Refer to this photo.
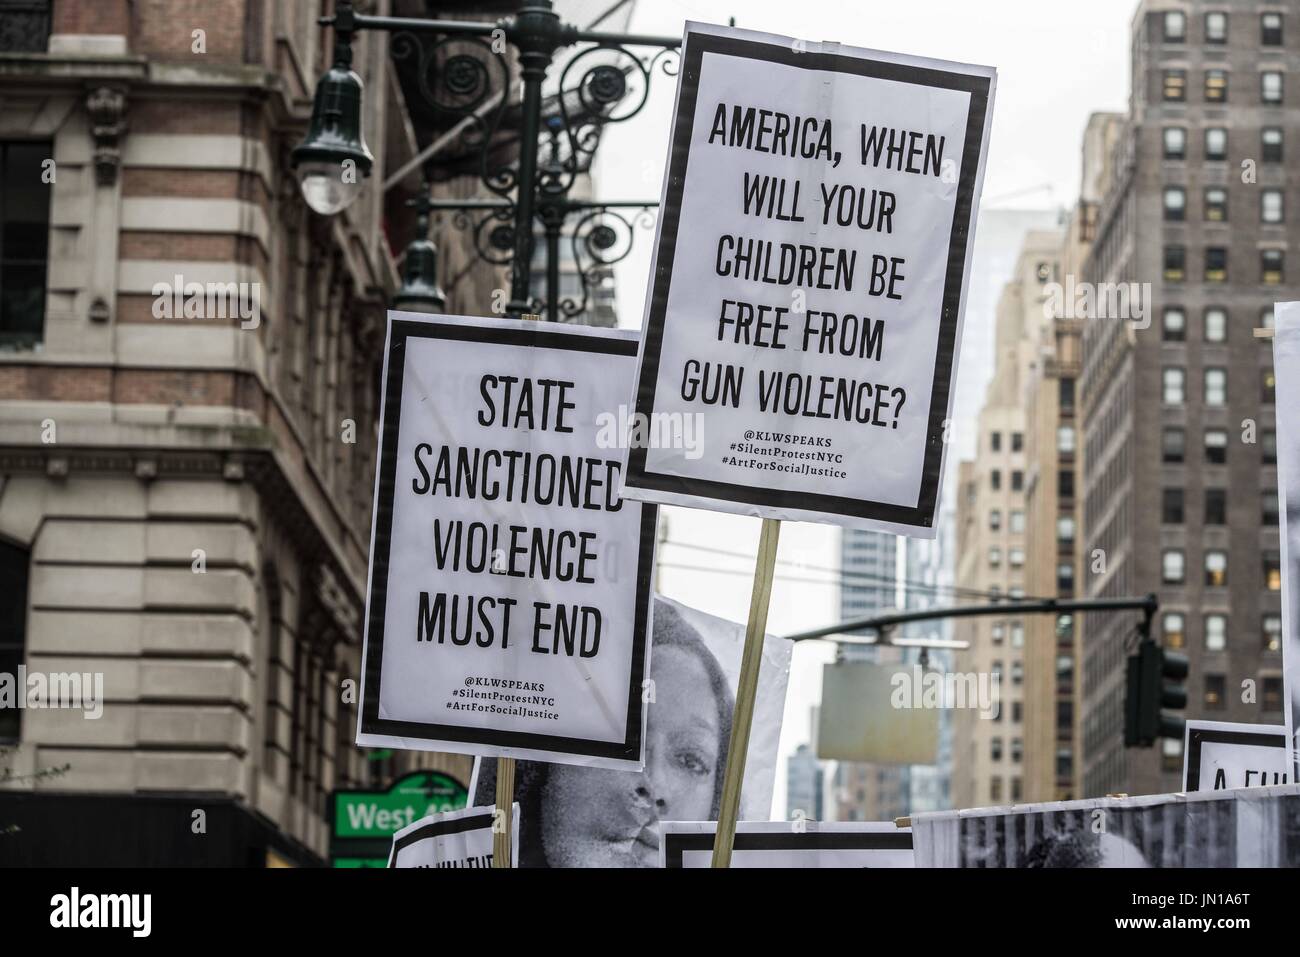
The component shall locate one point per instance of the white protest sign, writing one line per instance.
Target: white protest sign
(1221, 754)
(508, 603)
(790, 844)
(809, 277)
(451, 839)
(1286, 370)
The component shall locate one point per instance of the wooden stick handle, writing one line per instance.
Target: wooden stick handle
(746, 692)
(503, 824)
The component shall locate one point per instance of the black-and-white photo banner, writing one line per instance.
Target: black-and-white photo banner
(812, 255)
(508, 602)
(790, 844)
(1218, 755)
(460, 838)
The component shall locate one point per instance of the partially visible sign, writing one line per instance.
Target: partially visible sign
(363, 822)
(1286, 371)
(455, 839)
(790, 844)
(1219, 755)
(887, 714)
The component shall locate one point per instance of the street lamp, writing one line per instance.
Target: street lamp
(521, 196)
(334, 151)
(420, 291)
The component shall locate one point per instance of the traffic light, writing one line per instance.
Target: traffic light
(1154, 682)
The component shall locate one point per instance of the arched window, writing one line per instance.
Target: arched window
(14, 564)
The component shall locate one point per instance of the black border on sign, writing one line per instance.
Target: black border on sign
(676, 843)
(1198, 736)
(627, 750)
(697, 44)
(470, 822)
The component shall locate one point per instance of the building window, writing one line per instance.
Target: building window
(1216, 264)
(1016, 557)
(1175, 263)
(1172, 566)
(14, 565)
(26, 26)
(995, 749)
(1267, 386)
(1017, 441)
(995, 787)
(1064, 483)
(1175, 140)
(1175, 203)
(1214, 693)
(998, 632)
(1171, 506)
(1216, 632)
(1173, 445)
(995, 520)
(1271, 271)
(995, 480)
(1216, 143)
(1216, 204)
(1266, 319)
(1175, 86)
(1065, 578)
(1017, 636)
(1065, 393)
(1216, 86)
(24, 241)
(1174, 324)
(995, 441)
(1216, 506)
(1216, 324)
(1270, 141)
(1017, 712)
(1268, 446)
(995, 557)
(1272, 571)
(1173, 630)
(1171, 754)
(1065, 529)
(1216, 446)
(1216, 27)
(1175, 26)
(1271, 632)
(1268, 510)
(1270, 87)
(1216, 568)
(1174, 382)
(1271, 697)
(1065, 439)
(1270, 29)
(1216, 387)
(1017, 749)
(1017, 521)
(1017, 481)
(1017, 672)
(1270, 206)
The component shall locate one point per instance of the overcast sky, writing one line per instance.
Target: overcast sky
(1057, 62)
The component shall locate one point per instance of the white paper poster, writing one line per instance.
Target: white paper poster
(783, 844)
(452, 839)
(1286, 369)
(1218, 755)
(591, 817)
(509, 596)
(808, 282)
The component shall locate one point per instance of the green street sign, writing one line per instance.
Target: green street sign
(379, 814)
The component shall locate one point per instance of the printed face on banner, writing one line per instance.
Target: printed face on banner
(510, 586)
(592, 817)
(808, 280)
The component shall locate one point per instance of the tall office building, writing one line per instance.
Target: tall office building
(1199, 201)
(988, 745)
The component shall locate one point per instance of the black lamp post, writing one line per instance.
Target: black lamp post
(522, 197)
(420, 291)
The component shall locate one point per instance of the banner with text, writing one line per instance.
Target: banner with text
(509, 595)
(809, 277)
(1218, 755)
(452, 839)
(789, 844)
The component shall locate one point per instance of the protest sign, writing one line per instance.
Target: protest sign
(1218, 755)
(809, 276)
(1286, 371)
(790, 844)
(451, 839)
(509, 591)
(591, 817)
